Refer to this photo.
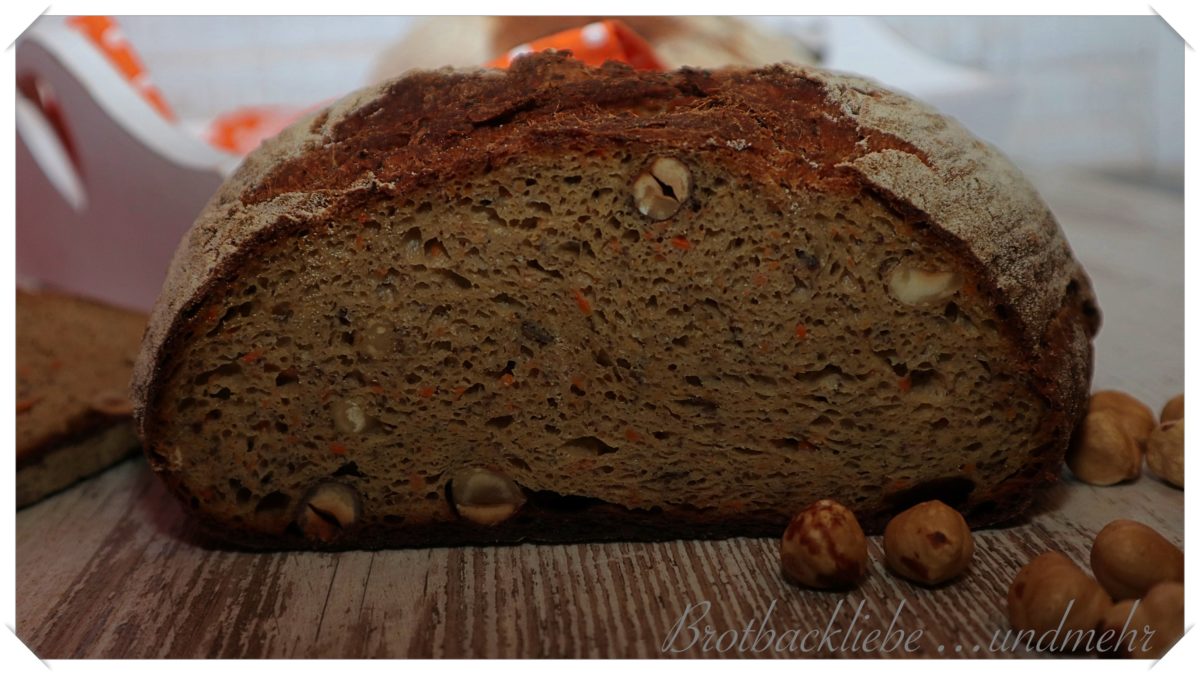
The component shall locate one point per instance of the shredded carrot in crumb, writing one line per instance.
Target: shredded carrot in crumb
(775, 234)
(507, 379)
(906, 384)
(760, 279)
(26, 404)
(415, 481)
(359, 243)
(252, 356)
(681, 243)
(376, 389)
(584, 305)
(969, 467)
(633, 436)
(772, 265)
(56, 364)
(458, 392)
(577, 382)
(801, 331)
(381, 272)
(425, 392)
(435, 249)
(337, 448)
(211, 315)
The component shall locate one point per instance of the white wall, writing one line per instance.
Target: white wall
(1101, 91)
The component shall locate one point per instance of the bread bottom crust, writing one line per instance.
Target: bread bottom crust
(65, 464)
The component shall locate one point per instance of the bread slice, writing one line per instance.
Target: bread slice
(74, 359)
(561, 303)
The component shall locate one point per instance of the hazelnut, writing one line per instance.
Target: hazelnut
(1135, 416)
(1103, 452)
(1051, 589)
(1149, 627)
(1164, 452)
(824, 547)
(929, 543)
(348, 416)
(660, 190)
(328, 509)
(485, 497)
(1172, 411)
(914, 286)
(377, 340)
(1128, 558)
(111, 402)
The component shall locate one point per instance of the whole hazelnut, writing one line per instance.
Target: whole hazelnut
(1147, 628)
(662, 188)
(824, 547)
(913, 286)
(1051, 589)
(348, 416)
(1172, 411)
(1129, 558)
(328, 510)
(929, 543)
(1135, 416)
(1164, 452)
(1103, 452)
(485, 497)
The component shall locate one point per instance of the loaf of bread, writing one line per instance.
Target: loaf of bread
(74, 359)
(557, 303)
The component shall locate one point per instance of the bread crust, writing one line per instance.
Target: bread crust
(798, 128)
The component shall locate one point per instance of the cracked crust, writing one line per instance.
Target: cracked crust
(800, 128)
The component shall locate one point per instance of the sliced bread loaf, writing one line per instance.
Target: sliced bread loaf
(74, 359)
(558, 303)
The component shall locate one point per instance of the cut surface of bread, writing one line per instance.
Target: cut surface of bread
(74, 415)
(562, 303)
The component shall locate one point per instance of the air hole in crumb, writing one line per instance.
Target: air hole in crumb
(588, 445)
(501, 422)
(348, 469)
(272, 503)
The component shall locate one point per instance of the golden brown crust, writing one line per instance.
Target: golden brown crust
(799, 128)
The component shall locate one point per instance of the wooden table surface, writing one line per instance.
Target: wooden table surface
(111, 568)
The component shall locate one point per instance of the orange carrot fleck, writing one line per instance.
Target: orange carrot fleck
(507, 380)
(359, 243)
(760, 279)
(772, 265)
(681, 243)
(801, 331)
(584, 305)
(906, 384)
(425, 392)
(577, 382)
(436, 249)
(26, 404)
(252, 356)
(633, 436)
(376, 389)
(337, 448)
